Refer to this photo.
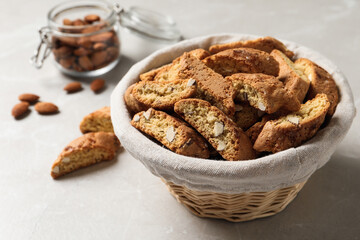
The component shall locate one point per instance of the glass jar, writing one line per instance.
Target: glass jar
(83, 35)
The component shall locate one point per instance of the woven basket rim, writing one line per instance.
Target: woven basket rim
(129, 135)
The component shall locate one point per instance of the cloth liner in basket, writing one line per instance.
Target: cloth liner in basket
(284, 170)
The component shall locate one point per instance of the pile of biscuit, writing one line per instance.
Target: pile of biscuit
(234, 101)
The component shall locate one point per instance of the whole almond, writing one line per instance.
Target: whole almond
(85, 63)
(99, 58)
(67, 22)
(99, 46)
(92, 18)
(73, 87)
(20, 109)
(28, 97)
(78, 22)
(97, 84)
(67, 62)
(46, 108)
(102, 37)
(82, 51)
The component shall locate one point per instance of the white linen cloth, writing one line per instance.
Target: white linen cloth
(268, 173)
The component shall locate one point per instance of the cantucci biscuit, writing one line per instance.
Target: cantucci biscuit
(266, 44)
(242, 60)
(293, 129)
(218, 129)
(246, 115)
(162, 71)
(98, 121)
(172, 132)
(84, 151)
(211, 86)
(163, 95)
(295, 81)
(320, 82)
(133, 105)
(263, 92)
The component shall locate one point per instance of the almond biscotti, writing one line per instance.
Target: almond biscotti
(98, 121)
(295, 81)
(218, 129)
(132, 104)
(293, 129)
(263, 92)
(242, 60)
(161, 72)
(320, 82)
(163, 95)
(211, 86)
(172, 132)
(84, 151)
(266, 44)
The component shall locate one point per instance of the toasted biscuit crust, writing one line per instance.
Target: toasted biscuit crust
(180, 139)
(98, 121)
(162, 95)
(151, 75)
(263, 92)
(295, 81)
(266, 44)
(218, 129)
(84, 151)
(320, 82)
(211, 86)
(242, 60)
(295, 128)
(132, 104)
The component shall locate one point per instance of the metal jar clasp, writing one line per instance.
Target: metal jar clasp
(43, 50)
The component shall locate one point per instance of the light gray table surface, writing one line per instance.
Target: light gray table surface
(121, 199)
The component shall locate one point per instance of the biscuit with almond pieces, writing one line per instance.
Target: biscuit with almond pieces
(133, 105)
(242, 60)
(172, 132)
(320, 82)
(163, 95)
(98, 121)
(217, 128)
(263, 92)
(84, 151)
(266, 44)
(295, 128)
(162, 71)
(294, 79)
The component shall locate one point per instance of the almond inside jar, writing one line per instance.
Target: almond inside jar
(95, 44)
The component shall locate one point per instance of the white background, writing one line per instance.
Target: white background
(121, 199)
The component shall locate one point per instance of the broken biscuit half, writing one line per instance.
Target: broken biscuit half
(98, 121)
(84, 151)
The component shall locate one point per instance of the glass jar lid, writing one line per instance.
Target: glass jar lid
(150, 24)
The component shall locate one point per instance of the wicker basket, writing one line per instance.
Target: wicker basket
(234, 207)
(235, 191)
